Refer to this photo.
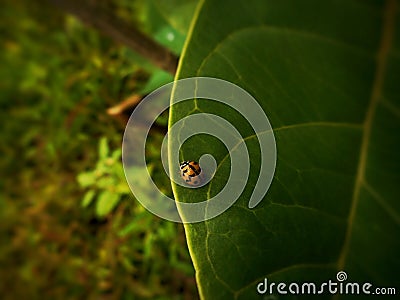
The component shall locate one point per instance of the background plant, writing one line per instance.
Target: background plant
(68, 225)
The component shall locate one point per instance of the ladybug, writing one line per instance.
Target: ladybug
(191, 172)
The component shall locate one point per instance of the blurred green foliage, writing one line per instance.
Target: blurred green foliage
(69, 227)
(106, 180)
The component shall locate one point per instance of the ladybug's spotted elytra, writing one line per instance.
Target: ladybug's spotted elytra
(191, 172)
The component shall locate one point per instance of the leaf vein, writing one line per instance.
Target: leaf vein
(382, 202)
(284, 269)
(382, 54)
(390, 107)
(286, 127)
(295, 31)
(226, 285)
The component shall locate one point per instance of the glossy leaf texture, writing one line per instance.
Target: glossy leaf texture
(327, 75)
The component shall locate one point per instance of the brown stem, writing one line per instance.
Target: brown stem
(120, 31)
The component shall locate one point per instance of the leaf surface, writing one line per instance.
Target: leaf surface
(326, 73)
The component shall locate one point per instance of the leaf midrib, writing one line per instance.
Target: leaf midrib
(389, 14)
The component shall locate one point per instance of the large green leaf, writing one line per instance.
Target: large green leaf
(327, 75)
